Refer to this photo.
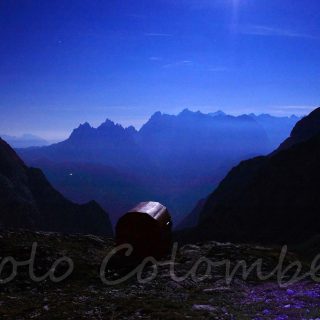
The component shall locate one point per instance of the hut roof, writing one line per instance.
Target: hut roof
(153, 209)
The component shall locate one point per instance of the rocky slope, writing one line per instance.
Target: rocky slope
(27, 200)
(82, 295)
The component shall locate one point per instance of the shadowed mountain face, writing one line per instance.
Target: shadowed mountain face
(305, 129)
(269, 199)
(171, 159)
(28, 201)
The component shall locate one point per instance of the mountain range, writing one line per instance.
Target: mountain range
(268, 199)
(174, 159)
(28, 201)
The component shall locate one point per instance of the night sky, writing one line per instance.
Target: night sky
(63, 62)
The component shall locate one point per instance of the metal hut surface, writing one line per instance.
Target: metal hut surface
(147, 227)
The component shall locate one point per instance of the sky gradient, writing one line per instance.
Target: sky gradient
(67, 62)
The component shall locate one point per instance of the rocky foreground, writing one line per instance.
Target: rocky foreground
(83, 294)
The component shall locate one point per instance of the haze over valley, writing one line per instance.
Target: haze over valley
(174, 159)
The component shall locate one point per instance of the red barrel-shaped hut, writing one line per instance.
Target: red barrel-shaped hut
(147, 227)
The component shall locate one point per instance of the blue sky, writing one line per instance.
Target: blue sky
(71, 61)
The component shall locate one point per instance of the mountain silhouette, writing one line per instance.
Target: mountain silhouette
(271, 198)
(28, 201)
(173, 159)
(109, 144)
(304, 130)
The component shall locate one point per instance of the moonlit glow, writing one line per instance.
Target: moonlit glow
(70, 62)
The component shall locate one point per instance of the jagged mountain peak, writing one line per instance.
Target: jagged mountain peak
(85, 125)
(131, 130)
(156, 115)
(245, 117)
(109, 124)
(186, 111)
(218, 113)
(189, 113)
(83, 130)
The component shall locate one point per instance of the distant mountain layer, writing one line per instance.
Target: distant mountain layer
(277, 128)
(172, 159)
(28, 201)
(25, 141)
(269, 199)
